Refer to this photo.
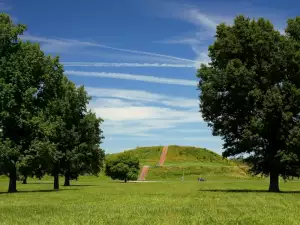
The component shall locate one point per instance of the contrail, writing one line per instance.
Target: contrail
(75, 43)
(125, 76)
(143, 53)
(95, 64)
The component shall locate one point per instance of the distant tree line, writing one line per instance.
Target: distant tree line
(45, 125)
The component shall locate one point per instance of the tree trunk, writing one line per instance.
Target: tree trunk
(56, 182)
(12, 181)
(67, 180)
(24, 180)
(274, 182)
(125, 180)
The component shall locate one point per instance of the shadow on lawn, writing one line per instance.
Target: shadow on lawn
(40, 191)
(74, 185)
(247, 190)
(39, 183)
(84, 185)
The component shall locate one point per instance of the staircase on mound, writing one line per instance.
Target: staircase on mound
(163, 156)
(144, 173)
(145, 169)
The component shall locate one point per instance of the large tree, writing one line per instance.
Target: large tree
(77, 135)
(250, 95)
(28, 81)
(83, 154)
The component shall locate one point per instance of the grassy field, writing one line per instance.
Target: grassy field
(194, 171)
(99, 200)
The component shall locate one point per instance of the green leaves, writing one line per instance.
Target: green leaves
(123, 166)
(44, 123)
(250, 93)
(77, 134)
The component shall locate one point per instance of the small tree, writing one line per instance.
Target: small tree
(123, 166)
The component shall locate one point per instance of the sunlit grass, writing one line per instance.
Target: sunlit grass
(101, 201)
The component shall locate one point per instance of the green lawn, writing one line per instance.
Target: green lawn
(101, 201)
(187, 155)
(197, 163)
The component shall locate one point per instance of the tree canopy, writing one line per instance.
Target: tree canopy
(250, 95)
(28, 81)
(45, 126)
(123, 166)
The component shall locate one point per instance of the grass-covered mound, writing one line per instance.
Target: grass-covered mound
(192, 161)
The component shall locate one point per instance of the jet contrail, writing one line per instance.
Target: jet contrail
(95, 64)
(126, 76)
(69, 42)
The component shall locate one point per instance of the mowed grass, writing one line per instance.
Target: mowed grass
(179, 155)
(194, 171)
(99, 200)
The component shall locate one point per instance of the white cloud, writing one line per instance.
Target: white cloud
(155, 138)
(191, 38)
(4, 6)
(133, 113)
(98, 64)
(138, 113)
(181, 40)
(129, 113)
(69, 43)
(197, 17)
(205, 23)
(125, 76)
(142, 120)
(189, 13)
(282, 31)
(137, 96)
(192, 130)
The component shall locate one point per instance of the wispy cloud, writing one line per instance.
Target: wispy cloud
(189, 13)
(4, 6)
(98, 64)
(139, 113)
(195, 16)
(181, 40)
(155, 138)
(143, 120)
(207, 21)
(138, 96)
(68, 43)
(125, 76)
(205, 24)
(191, 38)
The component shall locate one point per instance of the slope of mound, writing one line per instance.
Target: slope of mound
(147, 155)
(179, 155)
(192, 161)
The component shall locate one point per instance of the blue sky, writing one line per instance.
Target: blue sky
(138, 59)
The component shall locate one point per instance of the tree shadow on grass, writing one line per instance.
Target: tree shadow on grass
(84, 185)
(38, 183)
(40, 191)
(247, 191)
